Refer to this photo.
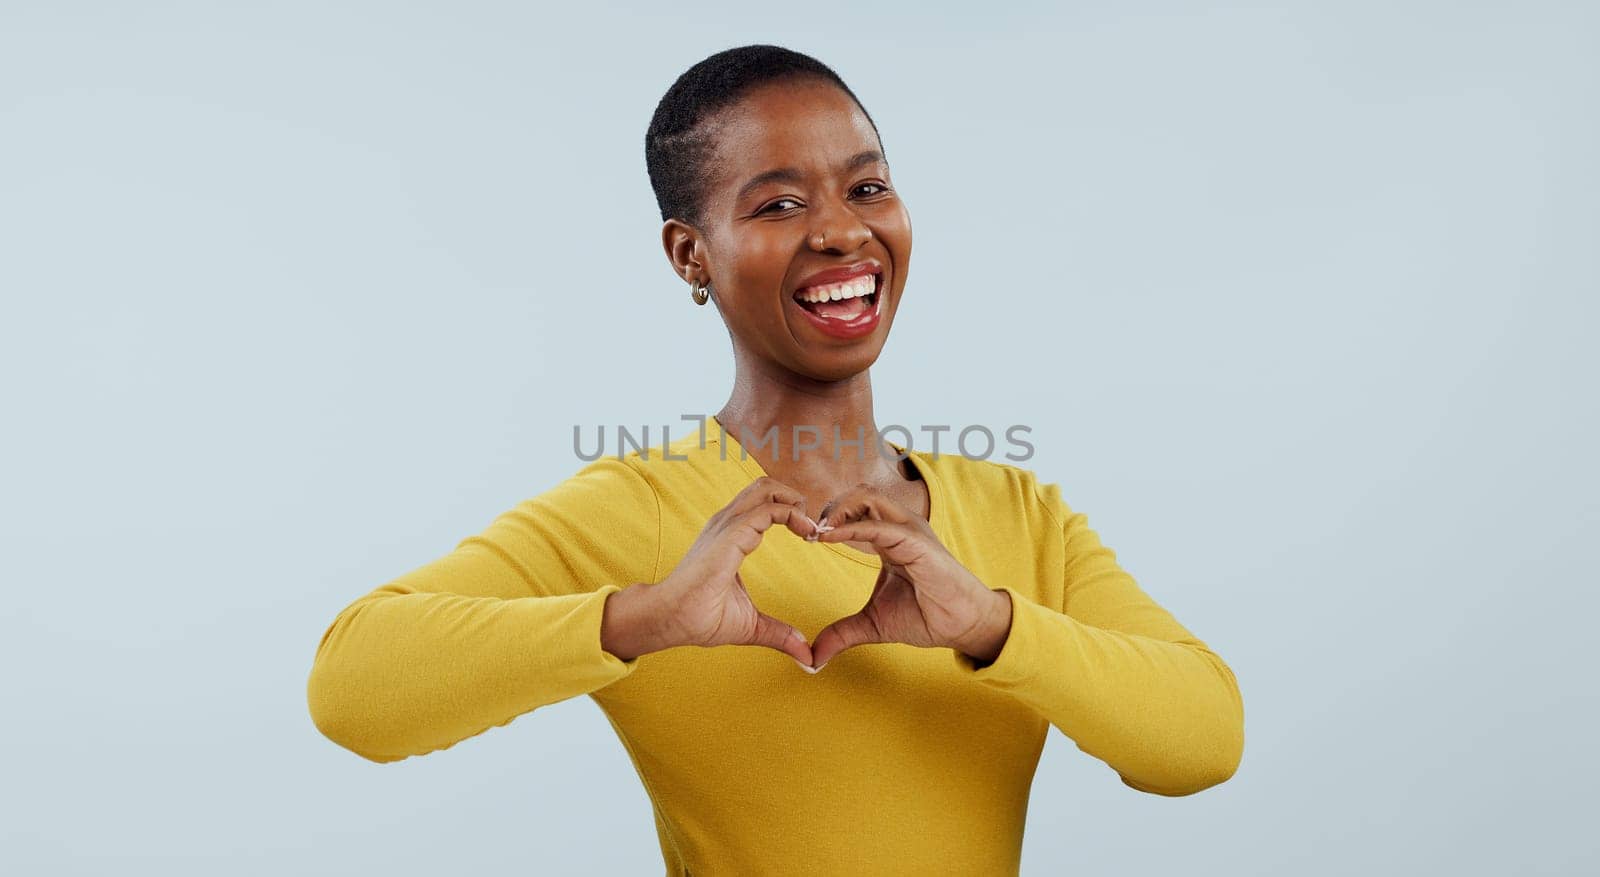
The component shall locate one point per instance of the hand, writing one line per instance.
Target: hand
(923, 597)
(705, 601)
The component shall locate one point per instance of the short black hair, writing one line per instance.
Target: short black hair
(677, 148)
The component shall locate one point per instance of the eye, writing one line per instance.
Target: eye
(878, 186)
(769, 207)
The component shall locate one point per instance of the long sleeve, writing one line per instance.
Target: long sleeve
(506, 622)
(1117, 674)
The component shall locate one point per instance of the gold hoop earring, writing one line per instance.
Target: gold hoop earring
(700, 294)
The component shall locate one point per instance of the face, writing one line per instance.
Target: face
(799, 191)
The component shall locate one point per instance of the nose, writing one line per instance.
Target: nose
(838, 230)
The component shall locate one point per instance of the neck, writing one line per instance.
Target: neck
(767, 404)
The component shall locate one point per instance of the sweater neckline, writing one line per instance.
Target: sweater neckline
(924, 467)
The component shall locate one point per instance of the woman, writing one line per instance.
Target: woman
(956, 608)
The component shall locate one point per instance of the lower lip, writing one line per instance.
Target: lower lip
(862, 325)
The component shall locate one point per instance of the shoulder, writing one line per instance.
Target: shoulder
(662, 466)
(996, 488)
(612, 470)
(608, 485)
(691, 466)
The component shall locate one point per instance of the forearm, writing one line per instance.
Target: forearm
(1166, 716)
(401, 674)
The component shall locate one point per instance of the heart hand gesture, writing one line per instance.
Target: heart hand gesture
(923, 596)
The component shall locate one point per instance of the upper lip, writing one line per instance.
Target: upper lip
(834, 275)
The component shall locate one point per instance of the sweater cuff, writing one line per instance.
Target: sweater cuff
(574, 643)
(1018, 662)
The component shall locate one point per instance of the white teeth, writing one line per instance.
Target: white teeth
(857, 286)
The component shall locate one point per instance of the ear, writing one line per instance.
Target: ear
(685, 250)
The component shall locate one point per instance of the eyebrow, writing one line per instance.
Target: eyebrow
(793, 175)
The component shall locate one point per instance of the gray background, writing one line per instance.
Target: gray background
(1294, 295)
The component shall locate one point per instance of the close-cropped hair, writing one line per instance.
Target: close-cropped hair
(679, 144)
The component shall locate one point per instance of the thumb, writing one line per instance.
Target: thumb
(851, 630)
(775, 634)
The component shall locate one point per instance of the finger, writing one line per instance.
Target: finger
(847, 632)
(863, 502)
(763, 490)
(899, 544)
(775, 634)
(882, 533)
(748, 529)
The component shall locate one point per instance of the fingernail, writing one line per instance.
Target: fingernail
(818, 668)
(802, 666)
(796, 635)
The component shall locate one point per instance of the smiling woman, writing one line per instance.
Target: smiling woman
(779, 199)
(946, 611)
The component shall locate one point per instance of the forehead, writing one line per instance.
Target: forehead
(812, 126)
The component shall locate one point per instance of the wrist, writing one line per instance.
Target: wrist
(989, 637)
(632, 623)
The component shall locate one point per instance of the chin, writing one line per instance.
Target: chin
(841, 364)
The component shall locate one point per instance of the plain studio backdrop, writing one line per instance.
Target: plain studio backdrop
(1296, 298)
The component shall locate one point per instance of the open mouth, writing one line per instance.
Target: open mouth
(844, 301)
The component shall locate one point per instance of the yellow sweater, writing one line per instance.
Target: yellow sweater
(925, 759)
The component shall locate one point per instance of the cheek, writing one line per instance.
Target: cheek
(896, 234)
(763, 263)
